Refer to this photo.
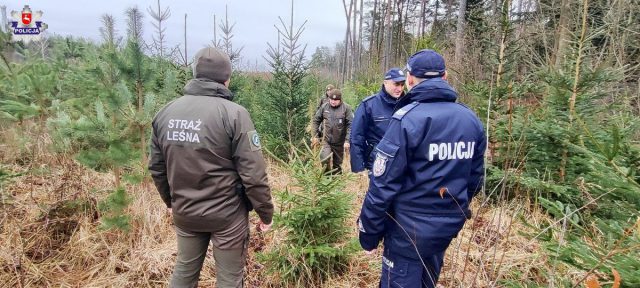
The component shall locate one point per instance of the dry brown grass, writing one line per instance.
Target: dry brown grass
(45, 243)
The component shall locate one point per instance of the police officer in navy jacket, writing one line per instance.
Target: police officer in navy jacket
(372, 118)
(427, 168)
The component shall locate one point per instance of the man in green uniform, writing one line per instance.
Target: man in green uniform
(335, 119)
(206, 162)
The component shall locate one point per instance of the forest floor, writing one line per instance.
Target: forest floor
(50, 235)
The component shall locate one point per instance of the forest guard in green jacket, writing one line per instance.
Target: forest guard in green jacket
(335, 118)
(207, 164)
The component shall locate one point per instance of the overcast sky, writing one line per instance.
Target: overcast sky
(254, 19)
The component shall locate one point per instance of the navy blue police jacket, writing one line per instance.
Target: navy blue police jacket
(427, 168)
(369, 124)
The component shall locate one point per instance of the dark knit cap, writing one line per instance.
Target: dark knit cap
(213, 64)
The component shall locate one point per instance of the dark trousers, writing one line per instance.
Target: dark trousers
(399, 271)
(332, 153)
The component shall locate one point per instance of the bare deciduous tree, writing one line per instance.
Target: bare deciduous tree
(347, 37)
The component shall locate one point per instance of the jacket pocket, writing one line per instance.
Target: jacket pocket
(380, 118)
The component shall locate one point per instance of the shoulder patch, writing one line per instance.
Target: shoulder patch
(404, 110)
(254, 140)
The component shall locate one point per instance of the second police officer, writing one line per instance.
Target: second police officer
(372, 118)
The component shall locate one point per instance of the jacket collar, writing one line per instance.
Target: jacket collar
(387, 99)
(204, 87)
(430, 90)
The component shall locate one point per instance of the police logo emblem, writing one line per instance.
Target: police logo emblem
(255, 139)
(28, 27)
(379, 165)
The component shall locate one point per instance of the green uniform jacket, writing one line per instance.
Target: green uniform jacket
(203, 146)
(336, 123)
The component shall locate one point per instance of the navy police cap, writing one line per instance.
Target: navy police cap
(426, 64)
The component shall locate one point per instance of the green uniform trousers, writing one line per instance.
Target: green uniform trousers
(334, 152)
(192, 249)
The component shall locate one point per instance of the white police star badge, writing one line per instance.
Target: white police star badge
(379, 165)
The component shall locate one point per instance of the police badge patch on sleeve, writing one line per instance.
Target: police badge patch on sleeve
(254, 140)
(380, 164)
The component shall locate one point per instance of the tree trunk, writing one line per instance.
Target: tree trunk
(574, 90)
(398, 30)
(380, 40)
(186, 57)
(494, 10)
(502, 46)
(387, 36)
(619, 52)
(373, 37)
(161, 18)
(346, 39)
(141, 130)
(405, 22)
(445, 28)
(434, 27)
(460, 32)
(360, 44)
(423, 17)
(562, 34)
(577, 75)
(354, 49)
(116, 175)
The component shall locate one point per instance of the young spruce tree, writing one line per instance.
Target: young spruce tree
(314, 215)
(285, 117)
